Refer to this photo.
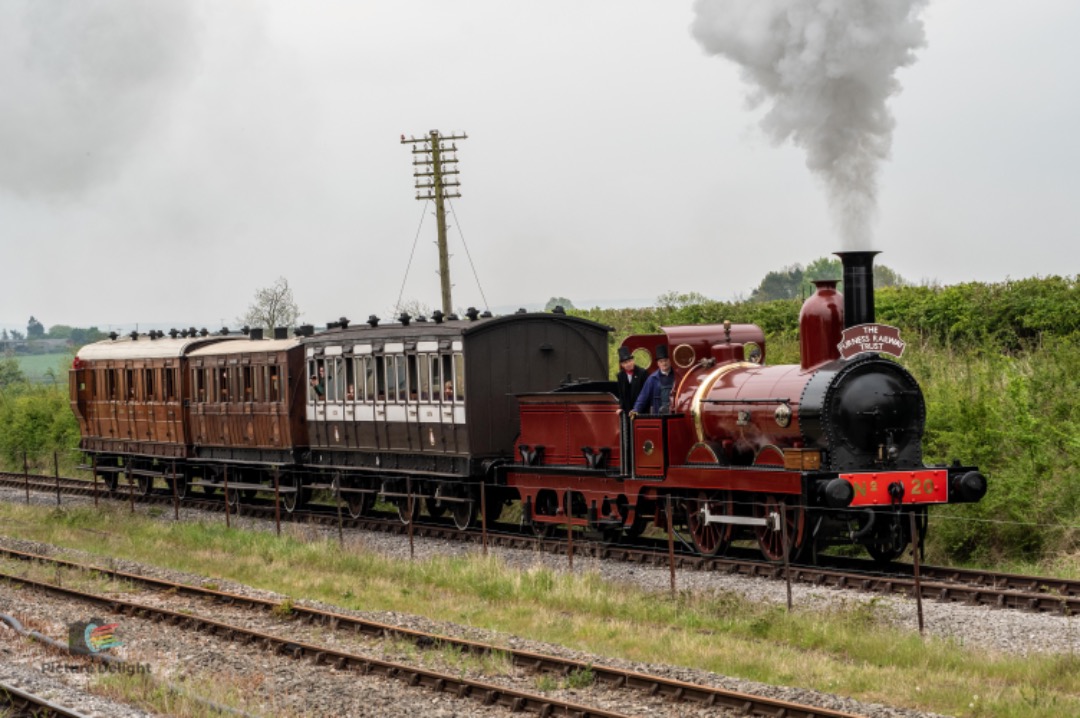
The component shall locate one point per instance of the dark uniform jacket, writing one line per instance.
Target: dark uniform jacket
(656, 394)
(629, 386)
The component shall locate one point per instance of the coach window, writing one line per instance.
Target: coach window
(274, 393)
(446, 393)
(129, 384)
(248, 383)
(348, 367)
(200, 385)
(170, 384)
(335, 379)
(412, 362)
(459, 377)
(423, 372)
(436, 377)
(110, 384)
(368, 371)
(148, 385)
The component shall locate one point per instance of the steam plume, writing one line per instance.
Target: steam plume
(83, 81)
(824, 69)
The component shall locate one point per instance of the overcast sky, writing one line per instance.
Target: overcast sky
(161, 161)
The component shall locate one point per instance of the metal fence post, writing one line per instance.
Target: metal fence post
(918, 578)
(56, 473)
(226, 474)
(26, 475)
(671, 543)
(277, 502)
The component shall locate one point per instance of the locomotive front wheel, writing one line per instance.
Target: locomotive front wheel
(709, 539)
(771, 542)
(888, 542)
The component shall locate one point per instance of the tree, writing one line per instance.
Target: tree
(17, 336)
(783, 284)
(273, 307)
(4, 336)
(60, 331)
(34, 329)
(558, 302)
(675, 300)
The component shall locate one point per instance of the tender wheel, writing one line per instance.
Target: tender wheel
(547, 504)
(464, 514)
(771, 542)
(709, 539)
(493, 506)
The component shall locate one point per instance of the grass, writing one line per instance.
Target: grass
(45, 368)
(852, 650)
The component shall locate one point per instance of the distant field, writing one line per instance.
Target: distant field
(37, 366)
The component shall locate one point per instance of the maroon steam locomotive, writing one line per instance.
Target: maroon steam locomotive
(439, 409)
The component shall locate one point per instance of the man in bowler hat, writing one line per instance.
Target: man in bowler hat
(655, 397)
(629, 381)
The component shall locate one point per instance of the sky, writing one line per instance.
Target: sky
(159, 162)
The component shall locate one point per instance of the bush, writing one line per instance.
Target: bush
(36, 419)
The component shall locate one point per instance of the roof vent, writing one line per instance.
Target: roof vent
(404, 319)
(452, 318)
(486, 315)
(255, 334)
(305, 330)
(173, 333)
(373, 321)
(472, 314)
(134, 336)
(280, 332)
(113, 336)
(437, 315)
(521, 311)
(203, 332)
(224, 331)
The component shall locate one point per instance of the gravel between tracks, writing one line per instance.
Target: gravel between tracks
(979, 628)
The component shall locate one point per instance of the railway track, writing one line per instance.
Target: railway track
(938, 583)
(17, 703)
(488, 693)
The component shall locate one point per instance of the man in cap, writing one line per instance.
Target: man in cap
(629, 381)
(655, 397)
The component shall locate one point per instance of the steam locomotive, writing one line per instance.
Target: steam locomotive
(472, 413)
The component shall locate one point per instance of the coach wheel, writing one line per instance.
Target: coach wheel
(464, 514)
(359, 504)
(111, 482)
(232, 498)
(434, 508)
(144, 485)
(709, 539)
(292, 495)
(771, 542)
(403, 506)
(182, 484)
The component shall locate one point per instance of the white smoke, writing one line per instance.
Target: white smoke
(824, 69)
(83, 82)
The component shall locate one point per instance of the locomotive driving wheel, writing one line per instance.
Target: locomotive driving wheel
(709, 539)
(770, 541)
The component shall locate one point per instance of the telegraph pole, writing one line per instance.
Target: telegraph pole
(433, 184)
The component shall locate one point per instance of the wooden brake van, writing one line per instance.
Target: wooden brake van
(431, 405)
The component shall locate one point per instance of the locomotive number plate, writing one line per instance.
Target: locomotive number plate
(927, 486)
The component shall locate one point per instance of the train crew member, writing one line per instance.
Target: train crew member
(655, 397)
(630, 380)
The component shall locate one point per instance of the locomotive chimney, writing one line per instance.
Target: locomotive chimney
(858, 287)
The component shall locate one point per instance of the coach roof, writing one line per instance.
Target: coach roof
(251, 346)
(145, 348)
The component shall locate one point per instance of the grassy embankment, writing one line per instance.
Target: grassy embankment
(853, 650)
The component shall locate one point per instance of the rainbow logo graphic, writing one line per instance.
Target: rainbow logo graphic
(93, 636)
